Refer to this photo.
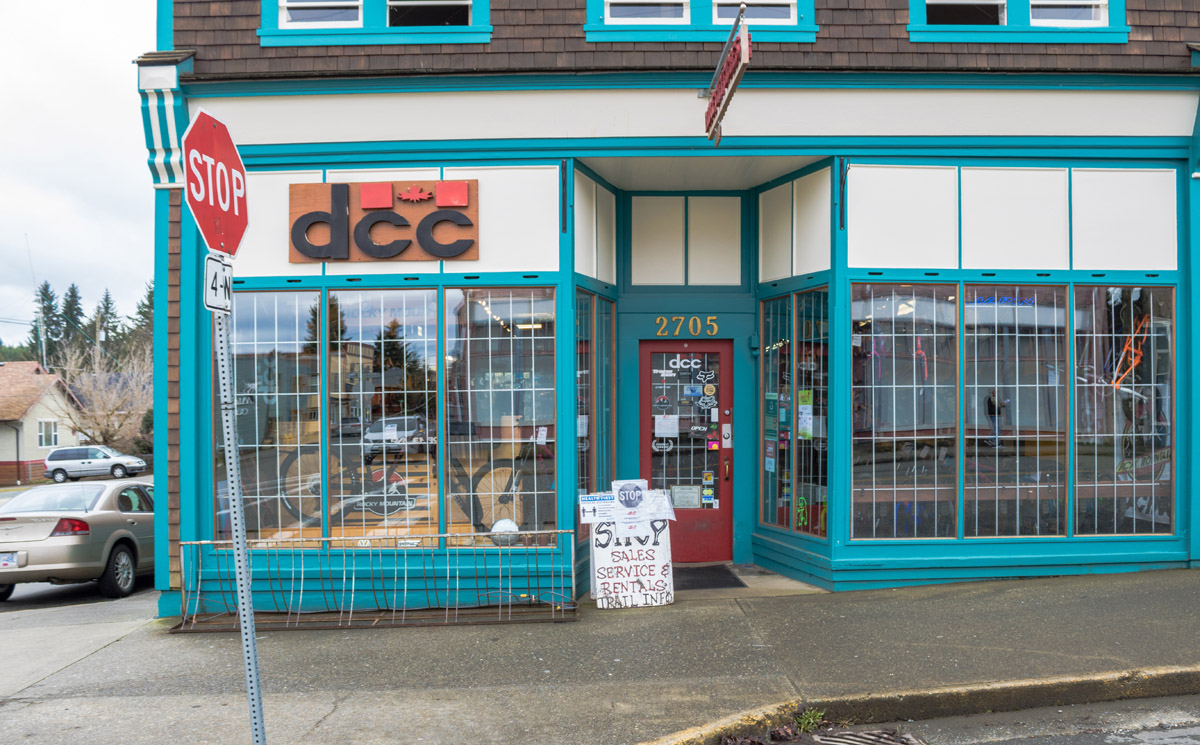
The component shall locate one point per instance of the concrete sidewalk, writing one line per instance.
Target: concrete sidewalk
(613, 677)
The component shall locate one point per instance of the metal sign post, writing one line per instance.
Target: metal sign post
(215, 191)
(241, 558)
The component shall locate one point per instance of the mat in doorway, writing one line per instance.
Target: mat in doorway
(705, 578)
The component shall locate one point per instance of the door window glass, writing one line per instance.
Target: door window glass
(500, 409)
(685, 449)
(776, 411)
(1124, 412)
(605, 389)
(904, 364)
(585, 424)
(811, 407)
(133, 500)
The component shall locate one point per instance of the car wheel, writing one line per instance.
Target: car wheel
(60, 476)
(6, 592)
(119, 472)
(120, 573)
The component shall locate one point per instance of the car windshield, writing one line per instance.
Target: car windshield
(113, 453)
(69, 497)
(401, 423)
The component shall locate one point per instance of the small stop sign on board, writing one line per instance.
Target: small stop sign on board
(215, 183)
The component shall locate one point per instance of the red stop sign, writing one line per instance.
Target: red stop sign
(215, 183)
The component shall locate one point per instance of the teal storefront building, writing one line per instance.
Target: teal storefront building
(903, 325)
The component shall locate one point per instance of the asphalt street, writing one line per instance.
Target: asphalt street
(1172, 720)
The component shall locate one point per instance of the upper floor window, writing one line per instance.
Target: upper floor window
(698, 20)
(47, 433)
(1017, 21)
(345, 22)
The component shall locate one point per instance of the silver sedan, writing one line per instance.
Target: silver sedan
(76, 533)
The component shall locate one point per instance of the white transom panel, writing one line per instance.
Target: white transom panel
(1125, 218)
(902, 216)
(1015, 218)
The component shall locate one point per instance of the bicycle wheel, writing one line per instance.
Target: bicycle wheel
(300, 483)
(495, 494)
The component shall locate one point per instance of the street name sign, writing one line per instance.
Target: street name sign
(218, 283)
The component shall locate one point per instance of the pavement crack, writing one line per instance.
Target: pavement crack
(333, 710)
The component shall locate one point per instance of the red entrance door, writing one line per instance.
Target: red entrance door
(686, 419)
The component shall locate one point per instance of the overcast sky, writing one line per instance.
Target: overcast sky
(73, 174)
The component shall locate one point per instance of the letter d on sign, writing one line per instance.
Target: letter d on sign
(338, 219)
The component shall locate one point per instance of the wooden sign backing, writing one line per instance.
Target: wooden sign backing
(414, 206)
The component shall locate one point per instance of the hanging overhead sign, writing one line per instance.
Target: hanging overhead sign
(401, 221)
(735, 58)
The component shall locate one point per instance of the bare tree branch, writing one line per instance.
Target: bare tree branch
(108, 396)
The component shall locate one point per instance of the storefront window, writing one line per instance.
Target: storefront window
(277, 383)
(584, 399)
(904, 411)
(382, 412)
(500, 410)
(605, 393)
(776, 411)
(811, 407)
(1124, 445)
(584, 319)
(1015, 463)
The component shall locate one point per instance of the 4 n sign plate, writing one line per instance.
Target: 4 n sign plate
(218, 283)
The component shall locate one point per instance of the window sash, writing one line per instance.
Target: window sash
(1033, 6)
(684, 20)
(288, 5)
(1101, 7)
(790, 20)
(47, 433)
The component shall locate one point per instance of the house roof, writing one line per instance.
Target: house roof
(22, 384)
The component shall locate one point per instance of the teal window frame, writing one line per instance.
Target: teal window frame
(374, 29)
(1018, 28)
(700, 27)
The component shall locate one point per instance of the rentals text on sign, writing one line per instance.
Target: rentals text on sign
(735, 58)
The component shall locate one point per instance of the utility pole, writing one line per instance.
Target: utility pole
(96, 347)
(41, 324)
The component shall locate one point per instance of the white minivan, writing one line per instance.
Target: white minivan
(94, 460)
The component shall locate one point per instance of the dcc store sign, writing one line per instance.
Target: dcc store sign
(405, 221)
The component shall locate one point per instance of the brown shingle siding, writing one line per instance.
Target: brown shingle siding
(547, 35)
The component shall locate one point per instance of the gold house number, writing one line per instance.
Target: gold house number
(674, 325)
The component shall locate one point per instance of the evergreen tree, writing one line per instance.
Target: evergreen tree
(47, 327)
(140, 328)
(72, 316)
(335, 319)
(104, 326)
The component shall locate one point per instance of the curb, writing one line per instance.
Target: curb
(932, 703)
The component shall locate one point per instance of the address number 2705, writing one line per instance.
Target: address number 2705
(686, 325)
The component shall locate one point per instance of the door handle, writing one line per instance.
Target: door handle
(726, 467)
(131, 522)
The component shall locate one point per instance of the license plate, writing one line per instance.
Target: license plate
(8, 561)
